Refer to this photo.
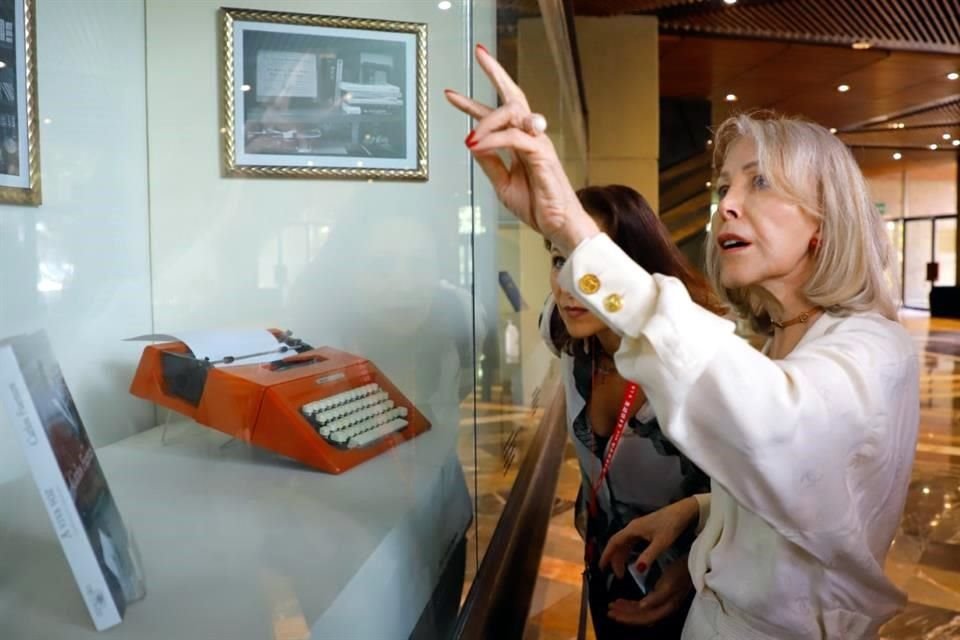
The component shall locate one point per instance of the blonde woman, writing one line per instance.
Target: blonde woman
(809, 444)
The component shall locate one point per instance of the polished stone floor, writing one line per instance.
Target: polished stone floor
(924, 560)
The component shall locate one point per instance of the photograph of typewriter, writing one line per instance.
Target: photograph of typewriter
(318, 93)
(328, 409)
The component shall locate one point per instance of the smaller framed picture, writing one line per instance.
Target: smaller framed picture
(309, 96)
(19, 131)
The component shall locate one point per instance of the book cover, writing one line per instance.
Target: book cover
(98, 547)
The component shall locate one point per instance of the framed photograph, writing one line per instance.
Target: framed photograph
(19, 132)
(317, 96)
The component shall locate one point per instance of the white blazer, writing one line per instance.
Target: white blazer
(810, 456)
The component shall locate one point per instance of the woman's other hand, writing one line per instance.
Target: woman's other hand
(667, 596)
(659, 529)
(534, 186)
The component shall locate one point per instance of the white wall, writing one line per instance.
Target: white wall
(90, 237)
(369, 268)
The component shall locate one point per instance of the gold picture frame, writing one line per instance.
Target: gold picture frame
(19, 129)
(308, 96)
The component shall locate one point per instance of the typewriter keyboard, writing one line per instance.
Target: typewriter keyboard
(357, 417)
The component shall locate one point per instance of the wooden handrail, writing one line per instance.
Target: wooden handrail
(498, 603)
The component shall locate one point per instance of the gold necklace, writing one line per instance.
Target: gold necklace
(800, 319)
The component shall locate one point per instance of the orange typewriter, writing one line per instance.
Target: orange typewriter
(326, 408)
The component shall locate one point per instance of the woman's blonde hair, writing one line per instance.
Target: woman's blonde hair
(810, 167)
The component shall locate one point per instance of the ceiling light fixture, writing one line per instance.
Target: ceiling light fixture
(934, 147)
(729, 2)
(444, 5)
(947, 136)
(953, 76)
(861, 45)
(897, 155)
(843, 88)
(956, 142)
(833, 129)
(731, 97)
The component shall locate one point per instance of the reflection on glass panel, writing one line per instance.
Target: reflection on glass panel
(916, 289)
(512, 358)
(946, 251)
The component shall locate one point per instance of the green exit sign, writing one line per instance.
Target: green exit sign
(881, 207)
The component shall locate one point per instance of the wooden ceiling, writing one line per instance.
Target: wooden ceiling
(920, 164)
(886, 88)
(912, 25)
(791, 55)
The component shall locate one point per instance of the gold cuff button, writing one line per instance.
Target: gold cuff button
(613, 303)
(589, 284)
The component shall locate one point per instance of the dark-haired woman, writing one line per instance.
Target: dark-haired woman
(628, 468)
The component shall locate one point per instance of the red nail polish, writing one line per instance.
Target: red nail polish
(641, 567)
(483, 48)
(470, 141)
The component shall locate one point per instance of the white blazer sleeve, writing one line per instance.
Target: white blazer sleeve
(793, 440)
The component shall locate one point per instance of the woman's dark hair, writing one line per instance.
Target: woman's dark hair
(628, 219)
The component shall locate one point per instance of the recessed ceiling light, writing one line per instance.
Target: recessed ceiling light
(444, 5)
(947, 136)
(956, 142)
(833, 129)
(843, 88)
(860, 45)
(897, 155)
(245, 87)
(900, 125)
(709, 184)
(730, 2)
(731, 97)
(953, 76)
(933, 147)
(3, 65)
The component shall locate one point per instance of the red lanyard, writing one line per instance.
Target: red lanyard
(629, 395)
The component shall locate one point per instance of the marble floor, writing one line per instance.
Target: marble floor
(924, 560)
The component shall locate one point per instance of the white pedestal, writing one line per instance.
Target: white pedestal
(238, 543)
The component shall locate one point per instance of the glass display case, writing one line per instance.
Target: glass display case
(343, 481)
